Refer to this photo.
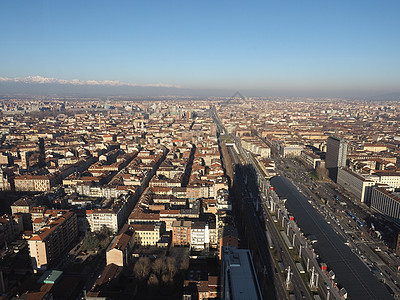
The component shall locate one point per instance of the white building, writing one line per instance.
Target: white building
(199, 236)
(386, 203)
(256, 146)
(223, 200)
(392, 179)
(310, 159)
(114, 217)
(356, 184)
(290, 150)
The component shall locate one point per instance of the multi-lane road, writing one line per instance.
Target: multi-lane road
(350, 271)
(357, 237)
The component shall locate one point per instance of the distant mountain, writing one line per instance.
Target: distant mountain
(37, 85)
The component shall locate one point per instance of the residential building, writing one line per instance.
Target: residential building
(199, 235)
(120, 249)
(201, 289)
(147, 234)
(114, 217)
(46, 246)
(181, 233)
(37, 183)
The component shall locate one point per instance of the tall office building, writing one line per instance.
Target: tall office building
(42, 154)
(336, 155)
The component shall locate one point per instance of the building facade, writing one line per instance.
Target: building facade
(356, 184)
(199, 236)
(387, 203)
(55, 237)
(181, 233)
(336, 153)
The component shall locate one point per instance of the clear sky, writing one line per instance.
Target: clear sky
(288, 45)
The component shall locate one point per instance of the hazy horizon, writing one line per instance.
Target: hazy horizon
(51, 86)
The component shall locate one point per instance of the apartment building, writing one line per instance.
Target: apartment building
(120, 249)
(147, 234)
(114, 217)
(199, 235)
(38, 183)
(10, 226)
(55, 237)
(201, 289)
(223, 201)
(256, 146)
(181, 233)
(5, 181)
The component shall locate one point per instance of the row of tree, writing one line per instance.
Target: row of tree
(161, 270)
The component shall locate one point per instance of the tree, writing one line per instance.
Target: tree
(165, 278)
(322, 173)
(184, 264)
(171, 267)
(142, 268)
(158, 266)
(90, 241)
(153, 280)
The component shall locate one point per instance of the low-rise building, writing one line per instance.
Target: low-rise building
(120, 249)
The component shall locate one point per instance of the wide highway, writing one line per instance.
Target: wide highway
(350, 271)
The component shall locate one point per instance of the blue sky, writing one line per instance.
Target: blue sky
(343, 46)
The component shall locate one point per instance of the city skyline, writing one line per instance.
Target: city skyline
(286, 49)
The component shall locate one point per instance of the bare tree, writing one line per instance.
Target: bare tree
(322, 173)
(158, 266)
(165, 278)
(142, 268)
(184, 264)
(171, 266)
(153, 280)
